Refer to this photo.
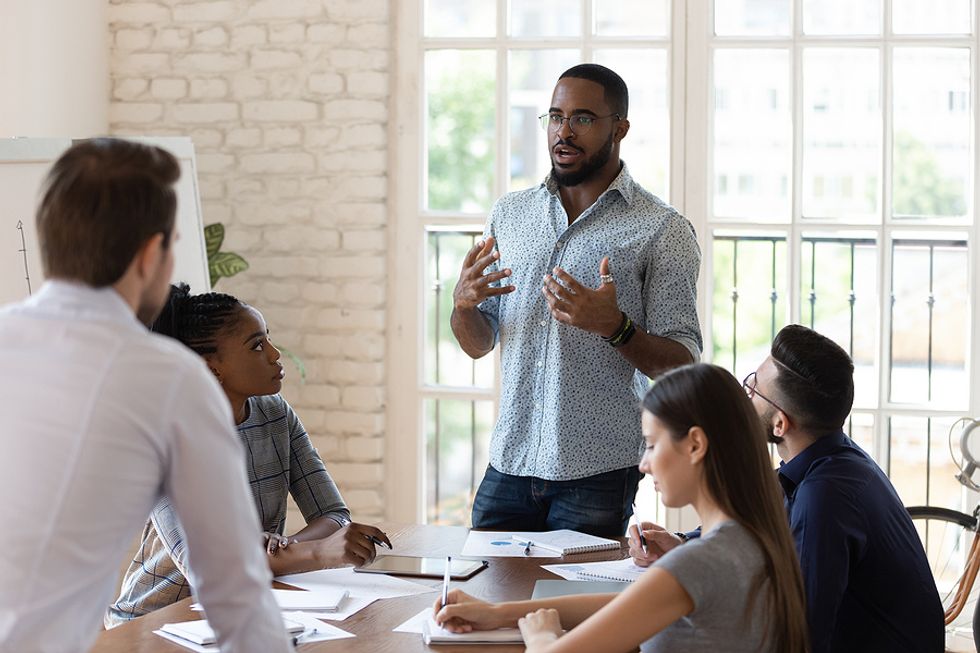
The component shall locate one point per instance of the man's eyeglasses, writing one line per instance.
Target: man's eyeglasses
(749, 385)
(579, 123)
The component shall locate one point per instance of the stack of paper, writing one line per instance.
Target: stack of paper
(433, 633)
(325, 600)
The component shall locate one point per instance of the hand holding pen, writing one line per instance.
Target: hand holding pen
(649, 541)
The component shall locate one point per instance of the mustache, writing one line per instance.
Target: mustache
(567, 143)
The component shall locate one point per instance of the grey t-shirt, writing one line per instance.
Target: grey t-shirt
(717, 570)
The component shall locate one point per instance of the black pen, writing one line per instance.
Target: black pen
(527, 548)
(379, 542)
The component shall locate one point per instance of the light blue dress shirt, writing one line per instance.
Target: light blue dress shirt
(570, 403)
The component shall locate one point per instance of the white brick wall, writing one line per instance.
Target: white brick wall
(287, 103)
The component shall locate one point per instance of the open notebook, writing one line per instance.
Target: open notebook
(618, 570)
(433, 633)
(566, 541)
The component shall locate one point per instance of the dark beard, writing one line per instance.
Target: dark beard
(588, 169)
(767, 425)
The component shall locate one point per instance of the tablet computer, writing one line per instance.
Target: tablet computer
(427, 567)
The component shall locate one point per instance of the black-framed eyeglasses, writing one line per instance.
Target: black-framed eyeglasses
(579, 123)
(749, 385)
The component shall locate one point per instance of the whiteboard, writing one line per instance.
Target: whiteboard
(24, 162)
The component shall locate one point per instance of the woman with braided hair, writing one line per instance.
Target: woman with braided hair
(233, 340)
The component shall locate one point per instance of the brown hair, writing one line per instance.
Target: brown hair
(739, 478)
(102, 200)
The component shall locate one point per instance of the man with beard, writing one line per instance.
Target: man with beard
(868, 583)
(589, 283)
(102, 419)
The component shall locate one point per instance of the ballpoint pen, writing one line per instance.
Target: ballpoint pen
(299, 639)
(639, 530)
(379, 542)
(445, 581)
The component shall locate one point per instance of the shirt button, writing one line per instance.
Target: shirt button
(559, 245)
(544, 322)
(540, 363)
(537, 404)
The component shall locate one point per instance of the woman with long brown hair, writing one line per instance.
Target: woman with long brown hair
(737, 588)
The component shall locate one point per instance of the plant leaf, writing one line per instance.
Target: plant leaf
(297, 361)
(214, 235)
(225, 264)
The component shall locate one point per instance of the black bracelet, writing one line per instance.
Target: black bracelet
(620, 330)
(625, 337)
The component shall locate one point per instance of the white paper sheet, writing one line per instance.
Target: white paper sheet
(349, 606)
(375, 586)
(414, 624)
(324, 632)
(623, 570)
(501, 544)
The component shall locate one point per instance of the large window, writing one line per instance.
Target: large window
(824, 151)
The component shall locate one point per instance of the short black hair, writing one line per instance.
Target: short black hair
(101, 201)
(617, 96)
(198, 320)
(814, 380)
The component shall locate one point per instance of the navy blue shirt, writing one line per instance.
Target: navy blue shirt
(868, 584)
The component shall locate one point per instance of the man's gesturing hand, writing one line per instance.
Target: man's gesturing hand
(570, 302)
(473, 285)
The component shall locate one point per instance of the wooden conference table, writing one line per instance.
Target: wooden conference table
(505, 579)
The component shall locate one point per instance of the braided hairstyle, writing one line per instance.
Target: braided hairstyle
(197, 320)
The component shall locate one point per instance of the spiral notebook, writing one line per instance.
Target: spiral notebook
(566, 541)
(618, 570)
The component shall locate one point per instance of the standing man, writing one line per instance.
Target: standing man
(101, 419)
(589, 283)
(869, 588)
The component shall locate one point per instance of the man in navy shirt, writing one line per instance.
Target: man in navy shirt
(868, 584)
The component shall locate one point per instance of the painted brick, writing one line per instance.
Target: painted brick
(356, 10)
(172, 39)
(211, 188)
(280, 110)
(367, 136)
(209, 62)
(206, 140)
(353, 161)
(342, 267)
(244, 138)
(325, 83)
(367, 84)
(355, 110)
(139, 13)
(319, 394)
(364, 240)
(204, 112)
(302, 238)
(356, 474)
(134, 39)
(363, 294)
(271, 9)
(322, 345)
(245, 86)
(322, 136)
(328, 33)
(168, 88)
(207, 12)
(283, 188)
(320, 293)
(130, 88)
(215, 162)
(211, 37)
(365, 347)
(345, 373)
(367, 505)
(282, 137)
(326, 445)
(135, 112)
(284, 162)
(209, 89)
(275, 60)
(353, 60)
(364, 449)
(246, 35)
(135, 63)
(291, 33)
(272, 214)
(369, 35)
(355, 423)
(352, 319)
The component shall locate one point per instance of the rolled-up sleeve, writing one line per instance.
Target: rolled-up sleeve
(670, 286)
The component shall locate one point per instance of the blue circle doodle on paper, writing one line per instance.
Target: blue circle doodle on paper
(502, 543)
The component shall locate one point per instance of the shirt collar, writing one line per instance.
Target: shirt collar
(623, 183)
(81, 301)
(791, 474)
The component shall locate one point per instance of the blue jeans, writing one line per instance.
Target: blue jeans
(600, 504)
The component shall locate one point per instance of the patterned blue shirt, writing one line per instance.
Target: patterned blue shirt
(569, 405)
